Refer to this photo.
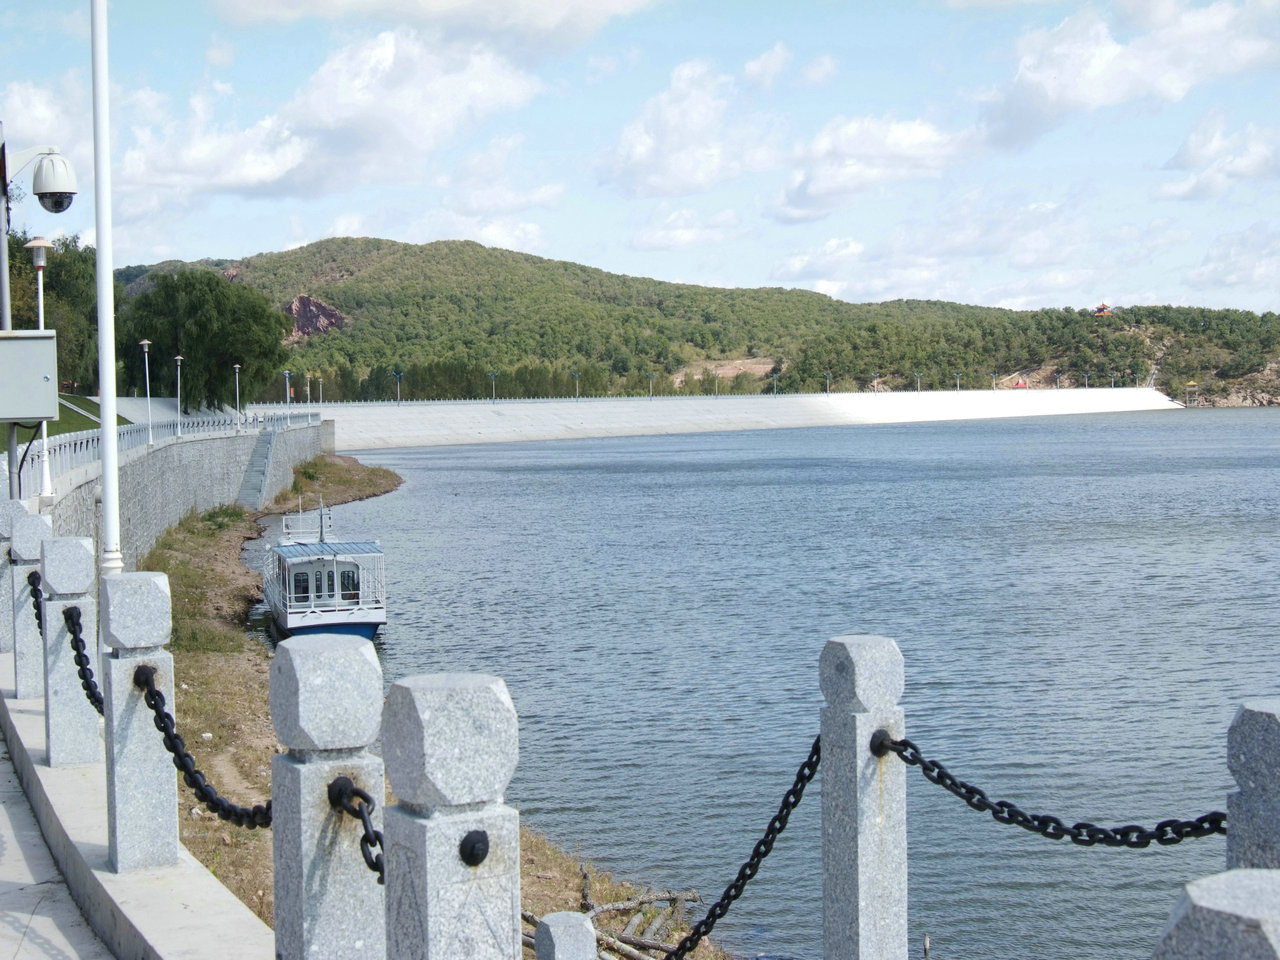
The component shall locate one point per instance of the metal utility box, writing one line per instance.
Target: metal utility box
(28, 375)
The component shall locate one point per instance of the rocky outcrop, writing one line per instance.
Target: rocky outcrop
(311, 316)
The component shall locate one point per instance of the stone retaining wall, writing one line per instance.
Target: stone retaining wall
(161, 486)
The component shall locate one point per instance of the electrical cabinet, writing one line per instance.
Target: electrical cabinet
(28, 375)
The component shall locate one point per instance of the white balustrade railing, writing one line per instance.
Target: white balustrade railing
(69, 451)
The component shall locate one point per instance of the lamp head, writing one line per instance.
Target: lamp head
(38, 246)
(54, 182)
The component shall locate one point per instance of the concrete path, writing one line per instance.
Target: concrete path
(38, 919)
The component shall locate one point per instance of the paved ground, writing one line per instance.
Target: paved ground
(38, 918)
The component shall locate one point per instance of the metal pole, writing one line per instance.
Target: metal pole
(236, 367)
(109, 444)
(146, 366)
(46, 482)
(6, 321)
(322, 391)
(179, 359)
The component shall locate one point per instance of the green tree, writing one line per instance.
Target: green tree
(213, 324)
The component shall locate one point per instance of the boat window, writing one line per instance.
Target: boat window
(330, 591)
(350, 584)
(319, 586)
(301, 584)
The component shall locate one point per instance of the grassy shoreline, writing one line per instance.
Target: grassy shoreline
(222, 679)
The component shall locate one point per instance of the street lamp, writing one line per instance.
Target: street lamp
(146, 366)
(993, 381)
(308, 388)
(575, 384)
(1113, 381)
(321, 379)
(38, 247)
(650, 376)
(286, 397)
(775, 383)
(828, 376)
(54, 183)
(917, 376)
(493, 387)
(1086, 381)
(717, 384)
(394, 374)
(957, 383)
(236, 368)
(179, 359)
(875, 383)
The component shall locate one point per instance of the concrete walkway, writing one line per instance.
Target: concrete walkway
(38, 918)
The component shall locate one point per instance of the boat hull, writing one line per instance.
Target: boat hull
(366, 630)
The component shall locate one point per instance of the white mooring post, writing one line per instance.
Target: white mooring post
(1236, 914)
(10, 510)
(864, 810)
(326, 705)
(68, 569)
(451, 742)
(142, 788)
(565, 936)
(29, 533)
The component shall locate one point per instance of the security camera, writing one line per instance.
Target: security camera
(54, 182)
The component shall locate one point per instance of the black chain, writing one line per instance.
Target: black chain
(1084, 834)
(33, 581)
(71, 615)
(342, 796)
(144, 678)
(761, 850)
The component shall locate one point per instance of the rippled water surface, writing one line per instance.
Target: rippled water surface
(1081, 603)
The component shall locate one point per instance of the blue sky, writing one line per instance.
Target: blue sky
(997, 152)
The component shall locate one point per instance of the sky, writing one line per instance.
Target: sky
(1017, 153)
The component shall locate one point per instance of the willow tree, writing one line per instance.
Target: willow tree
(213, 324)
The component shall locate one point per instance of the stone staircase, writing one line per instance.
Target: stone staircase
(255, 476)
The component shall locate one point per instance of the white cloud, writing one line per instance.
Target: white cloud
(482, 185)
(681, 143)
(568, 21)
(677, 229)
(834, 256)
(849, 156)
(820, 71)
(1249, 258)
(220, 53)
(1080, 66)
(765, 69)
(373, 112)
(350, 225)
(1224, 159)
(510, 233)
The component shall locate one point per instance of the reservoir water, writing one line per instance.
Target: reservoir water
(1081, 604)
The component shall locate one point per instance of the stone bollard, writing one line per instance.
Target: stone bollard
(142, 787)
(326, 704)
(10, 510)
(864, 810)
(451, 742)
(67, 571)
(1253, 812)
(1228, 916)
(28, 646)
(565, 936)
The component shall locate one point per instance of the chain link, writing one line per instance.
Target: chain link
(1083, 834)
(33, 581)
(71, 616)
(144, 678)
(761, 850)
(342, 796)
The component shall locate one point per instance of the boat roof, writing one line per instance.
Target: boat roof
(327, 548)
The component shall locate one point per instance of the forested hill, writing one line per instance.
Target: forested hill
(445, 312)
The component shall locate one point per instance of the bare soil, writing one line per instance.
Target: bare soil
(222, 697)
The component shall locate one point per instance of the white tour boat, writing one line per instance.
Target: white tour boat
(315, 584)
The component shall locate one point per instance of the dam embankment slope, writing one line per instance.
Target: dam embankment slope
(364, 426)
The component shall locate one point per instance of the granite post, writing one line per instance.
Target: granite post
(67, 571)
(864, 810)
(451, 742)
(10, 510)
(142, 787)
(28, 646)
(1228, 916)
(565, 936)
(1253, 812)
(326, 704)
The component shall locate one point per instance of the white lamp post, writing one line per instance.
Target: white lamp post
(146, 366)
(575, 384)
(322, 391)
(286, 396)
(398, 376)
(236, 368)
(308, 389)
(178, 358)
(38, 248)
(54, 184)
